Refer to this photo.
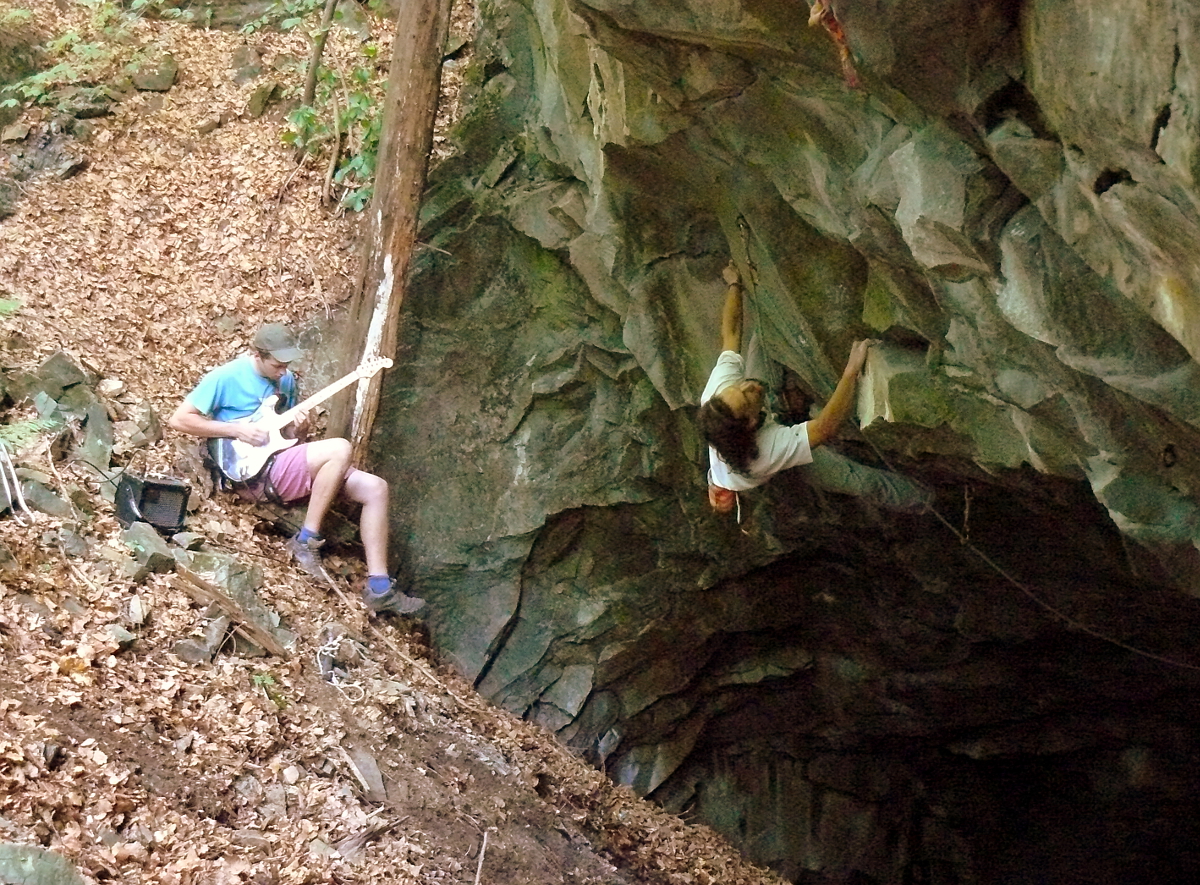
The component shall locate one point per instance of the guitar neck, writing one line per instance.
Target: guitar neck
(283, 419)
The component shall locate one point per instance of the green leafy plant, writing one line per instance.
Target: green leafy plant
(15, 17)
(164, 9)
(312, 128)
(82, 57)
(18, 435)
(355, 134)
(285, 15)
(304, 129)
(270, 688)
(362, 120)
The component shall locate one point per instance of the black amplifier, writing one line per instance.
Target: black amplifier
(158, 500)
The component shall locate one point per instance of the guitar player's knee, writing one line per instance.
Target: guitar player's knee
(325, 451)
(366, 488)
(376, 487)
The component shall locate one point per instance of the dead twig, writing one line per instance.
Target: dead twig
(335, 152)
(301, 162)
(354, 606)
(62, 487)
(482, 851)
(420, 668)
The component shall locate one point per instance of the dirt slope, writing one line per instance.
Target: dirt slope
(154, 263)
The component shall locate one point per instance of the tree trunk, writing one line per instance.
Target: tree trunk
(410, 108)
(314, 61)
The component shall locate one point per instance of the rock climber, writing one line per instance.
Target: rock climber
(747, 445)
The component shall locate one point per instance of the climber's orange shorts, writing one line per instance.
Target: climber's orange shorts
(722, 500)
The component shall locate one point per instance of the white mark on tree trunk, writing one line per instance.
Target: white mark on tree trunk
(383, 297)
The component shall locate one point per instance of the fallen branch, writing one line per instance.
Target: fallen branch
(482, 850)
(421, 668)
(335, 153)
(301, 161)
(202, 591)
(352, 846)
(66, 496)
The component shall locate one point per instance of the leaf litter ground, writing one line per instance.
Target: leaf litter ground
(153, 264)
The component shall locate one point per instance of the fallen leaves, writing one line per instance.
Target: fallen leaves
(167, 231)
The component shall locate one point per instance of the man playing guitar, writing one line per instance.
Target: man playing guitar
(227, 406)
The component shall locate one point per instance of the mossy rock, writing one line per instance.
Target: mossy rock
(20, 52)
(225, 14)
(20, 56)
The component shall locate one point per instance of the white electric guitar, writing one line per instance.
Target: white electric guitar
(240, 461)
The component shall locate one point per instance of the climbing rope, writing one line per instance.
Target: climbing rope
(327, 655)
(1046, 606)
(11, 484)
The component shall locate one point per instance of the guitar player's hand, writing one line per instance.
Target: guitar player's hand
(251, 435)
(298, 429)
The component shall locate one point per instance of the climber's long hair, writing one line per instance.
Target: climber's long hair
(734, 440)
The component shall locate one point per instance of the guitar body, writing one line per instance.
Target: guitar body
(242, 462)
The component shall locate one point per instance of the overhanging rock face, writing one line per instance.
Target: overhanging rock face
(1010, 204)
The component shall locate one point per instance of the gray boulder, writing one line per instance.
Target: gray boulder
(34, 865)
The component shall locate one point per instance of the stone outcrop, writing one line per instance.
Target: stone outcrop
(1010, 203)
(33, 865)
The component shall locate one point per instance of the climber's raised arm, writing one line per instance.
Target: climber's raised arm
(825, 426)
(731, 314)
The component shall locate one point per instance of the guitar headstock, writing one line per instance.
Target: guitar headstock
(371, 365)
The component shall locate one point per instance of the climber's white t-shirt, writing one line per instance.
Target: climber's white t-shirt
(779, 447)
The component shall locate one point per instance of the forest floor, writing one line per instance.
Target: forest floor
(155, 262)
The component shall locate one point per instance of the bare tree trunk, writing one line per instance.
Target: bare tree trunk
(411, 107)
(314, 61)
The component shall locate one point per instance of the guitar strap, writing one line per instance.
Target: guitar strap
(263, 483)
(285, 401)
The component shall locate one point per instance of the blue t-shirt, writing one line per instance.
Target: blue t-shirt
(236, 390)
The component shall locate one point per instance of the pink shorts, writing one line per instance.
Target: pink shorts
(289, 477)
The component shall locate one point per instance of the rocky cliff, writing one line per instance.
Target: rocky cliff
(1008, 199)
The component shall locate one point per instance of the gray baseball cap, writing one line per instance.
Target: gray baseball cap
(279, 341)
